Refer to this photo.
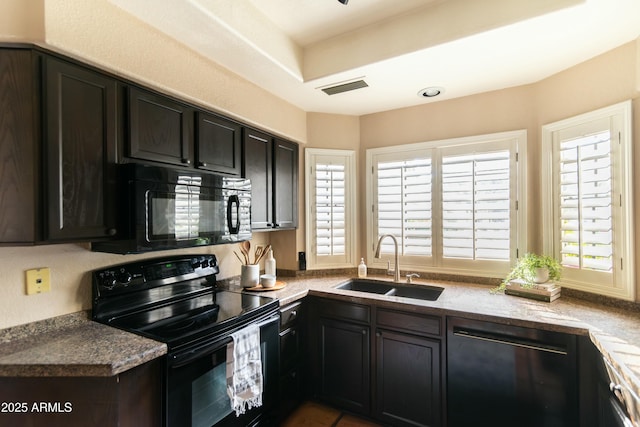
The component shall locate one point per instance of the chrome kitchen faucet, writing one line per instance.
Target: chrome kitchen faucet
(396, 271)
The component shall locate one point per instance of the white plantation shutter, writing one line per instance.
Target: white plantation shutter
(331, 209)
(452, 205)
(586, 220)
(476, 216)
(589, 208)
(404, 205)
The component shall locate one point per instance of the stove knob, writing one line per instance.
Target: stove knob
(204, 263)
(108, 281)
(195, 263)
(123, 277)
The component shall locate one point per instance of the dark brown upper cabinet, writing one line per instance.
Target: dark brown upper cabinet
(57, 147)
(257, 166)
(19, 133)
(285, 184)
(79, 152)
(64, 127)
(218, 144)
(160, 129)
(272, 166)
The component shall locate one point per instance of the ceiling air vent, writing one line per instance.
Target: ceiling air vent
(345, 87)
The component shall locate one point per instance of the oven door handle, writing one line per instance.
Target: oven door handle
(180, 359)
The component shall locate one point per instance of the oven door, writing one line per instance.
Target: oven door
(196, 386)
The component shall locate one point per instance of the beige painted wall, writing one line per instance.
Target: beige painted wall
(70, 265)
(22, 20)
(332, 131)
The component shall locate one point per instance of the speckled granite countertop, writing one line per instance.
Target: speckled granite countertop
(614, 331)
(72, 346)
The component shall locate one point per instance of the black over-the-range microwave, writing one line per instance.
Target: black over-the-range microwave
(162, 208)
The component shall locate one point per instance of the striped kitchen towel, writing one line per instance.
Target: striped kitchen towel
(244, 369)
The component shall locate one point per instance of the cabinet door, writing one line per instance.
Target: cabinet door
(79, 152)
(257, 149)
(18, 135)
(290, 348)
(218, 144)
(344, 364)
(407, 379)
(291, 391)
(160, 129)
(285, 190)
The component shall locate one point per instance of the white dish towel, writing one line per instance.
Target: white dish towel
(244, 369)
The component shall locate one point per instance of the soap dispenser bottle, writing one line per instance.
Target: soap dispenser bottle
(270, 264)
(362, 269)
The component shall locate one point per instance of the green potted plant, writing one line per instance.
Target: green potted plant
(532, 269)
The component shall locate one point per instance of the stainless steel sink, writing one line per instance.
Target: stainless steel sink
(422, 292)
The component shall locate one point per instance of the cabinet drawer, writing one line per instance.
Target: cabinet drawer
(431, 325)
(290, 314)
(345, 311)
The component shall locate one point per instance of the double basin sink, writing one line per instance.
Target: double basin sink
(421, 292)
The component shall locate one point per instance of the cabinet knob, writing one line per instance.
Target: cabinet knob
(378, 334)
(294, 313)
(269, 224)
(202, 164)
(276, 225)
(364, 332)
(186, 161)
(293, 333)
(111, 231)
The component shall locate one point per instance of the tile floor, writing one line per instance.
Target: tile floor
(313, 414)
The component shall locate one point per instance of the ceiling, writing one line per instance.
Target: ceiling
(294, 48)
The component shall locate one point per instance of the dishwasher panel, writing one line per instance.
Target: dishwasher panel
(503, 375)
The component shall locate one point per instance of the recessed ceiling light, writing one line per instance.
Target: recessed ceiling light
(430, 92)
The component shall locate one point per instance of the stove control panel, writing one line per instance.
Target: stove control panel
(152, 273)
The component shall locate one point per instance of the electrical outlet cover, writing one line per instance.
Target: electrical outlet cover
(38, 281)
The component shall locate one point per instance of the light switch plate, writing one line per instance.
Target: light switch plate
(38, 281)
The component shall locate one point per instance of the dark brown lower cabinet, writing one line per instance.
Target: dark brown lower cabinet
(344, 355)
(393, 376)
(407, 379)
(130, 399)
(293, 326)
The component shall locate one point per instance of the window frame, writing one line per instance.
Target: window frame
(624, 276)
(435, 263)
(348, 158)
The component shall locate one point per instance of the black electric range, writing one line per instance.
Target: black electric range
(173, 300)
